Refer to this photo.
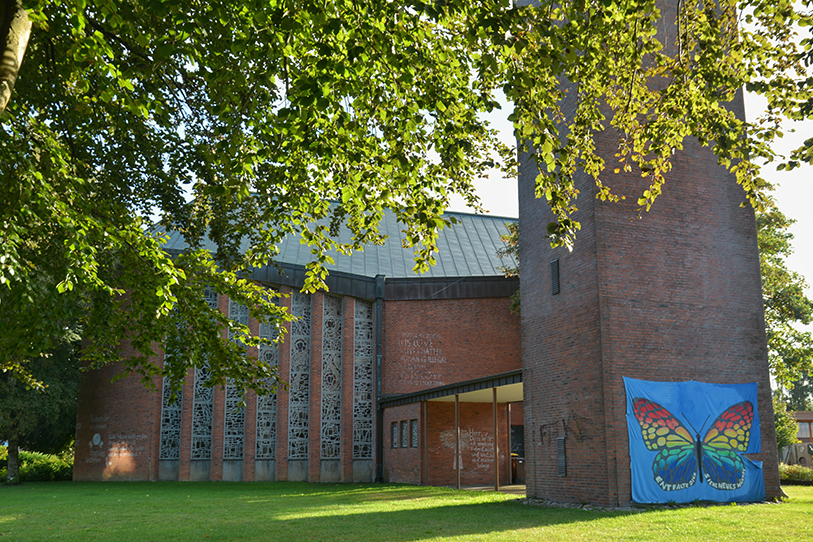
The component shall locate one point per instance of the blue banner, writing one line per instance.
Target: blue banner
(687, 441)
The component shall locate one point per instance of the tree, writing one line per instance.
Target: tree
(42, 420)
(511, 240)
(16, 29)
(786, 427)
(790, 351)
(247, 121)
(800, 396)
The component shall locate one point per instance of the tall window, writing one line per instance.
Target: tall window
(331, 377)
(267, 404)
(299, 390)
(363, 380)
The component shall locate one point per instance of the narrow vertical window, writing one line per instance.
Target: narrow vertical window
(299, 383)
(234, 416)
(554, 277)
(404, 434)
(203, 400)
(363, 380)
(331, 377)
(413, 433)
(266, 439)
(394, 434)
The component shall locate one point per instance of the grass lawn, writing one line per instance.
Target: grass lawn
(290, 512)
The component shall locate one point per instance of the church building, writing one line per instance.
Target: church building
(389, 373)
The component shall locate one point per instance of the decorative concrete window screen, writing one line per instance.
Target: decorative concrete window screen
(299, 380)
(202, 401)
(331, 377)
(404, 434)
(267, 404)
(363, 380)
(170, 423)
(234, 415)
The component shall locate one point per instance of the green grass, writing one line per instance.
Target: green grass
(290, 512)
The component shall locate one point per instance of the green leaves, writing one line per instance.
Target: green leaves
(790, 350)
(238, 123)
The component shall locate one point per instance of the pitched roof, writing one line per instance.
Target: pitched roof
(466, 249)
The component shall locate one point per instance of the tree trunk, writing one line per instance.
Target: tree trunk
(13, 469)
(15, 29)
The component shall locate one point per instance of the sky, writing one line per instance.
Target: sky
(793, 193)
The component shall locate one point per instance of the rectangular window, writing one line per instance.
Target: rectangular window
(413, 433)
(394, 434)
(554, 277)
(804, 430)
(404, 434)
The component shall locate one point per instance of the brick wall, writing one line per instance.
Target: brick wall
(476, 444)
(440, 342)
(673, 295)
(431, 343)
(403, 464)
(115, 435)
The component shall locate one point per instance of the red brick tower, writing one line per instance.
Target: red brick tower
(673, 296)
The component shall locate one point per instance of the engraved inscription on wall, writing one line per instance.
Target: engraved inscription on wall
(476, 449)
(422, 358)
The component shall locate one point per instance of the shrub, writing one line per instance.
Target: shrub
(795, 472)
(37, 467)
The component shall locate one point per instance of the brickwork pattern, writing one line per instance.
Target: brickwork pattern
(431, 343)
(481, 330)
(117, 427)
(672, 296)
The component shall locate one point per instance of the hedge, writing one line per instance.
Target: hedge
(37, 467)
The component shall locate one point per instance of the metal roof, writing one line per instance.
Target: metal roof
(509, 386)
(466, 249)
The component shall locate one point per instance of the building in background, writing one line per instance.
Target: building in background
(374, 368)
(800, 453)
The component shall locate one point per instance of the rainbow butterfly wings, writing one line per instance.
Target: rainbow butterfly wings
(682, 457)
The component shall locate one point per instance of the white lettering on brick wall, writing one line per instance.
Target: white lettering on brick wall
(419, 353)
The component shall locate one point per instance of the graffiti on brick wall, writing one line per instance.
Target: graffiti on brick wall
(574, 427)
(476, 448)
(419, 353)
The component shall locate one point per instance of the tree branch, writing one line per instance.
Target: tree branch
(15, 29)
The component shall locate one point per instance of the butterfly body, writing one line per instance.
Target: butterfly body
(683, 459)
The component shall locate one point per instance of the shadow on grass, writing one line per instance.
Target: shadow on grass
(271, 511)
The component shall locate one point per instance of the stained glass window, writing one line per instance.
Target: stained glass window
(363, 381)
(202, 401)
(267, 404)
(331, 377)
(299, 381)
(170, 423)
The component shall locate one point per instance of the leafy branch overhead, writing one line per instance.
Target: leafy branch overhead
(243, 122)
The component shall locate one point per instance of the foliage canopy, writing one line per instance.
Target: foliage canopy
(790, 350)
(245, 120)
(786, 428)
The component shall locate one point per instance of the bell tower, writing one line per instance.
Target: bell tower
(673, 296)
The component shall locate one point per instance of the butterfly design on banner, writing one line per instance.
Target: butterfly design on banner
(682, 457)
